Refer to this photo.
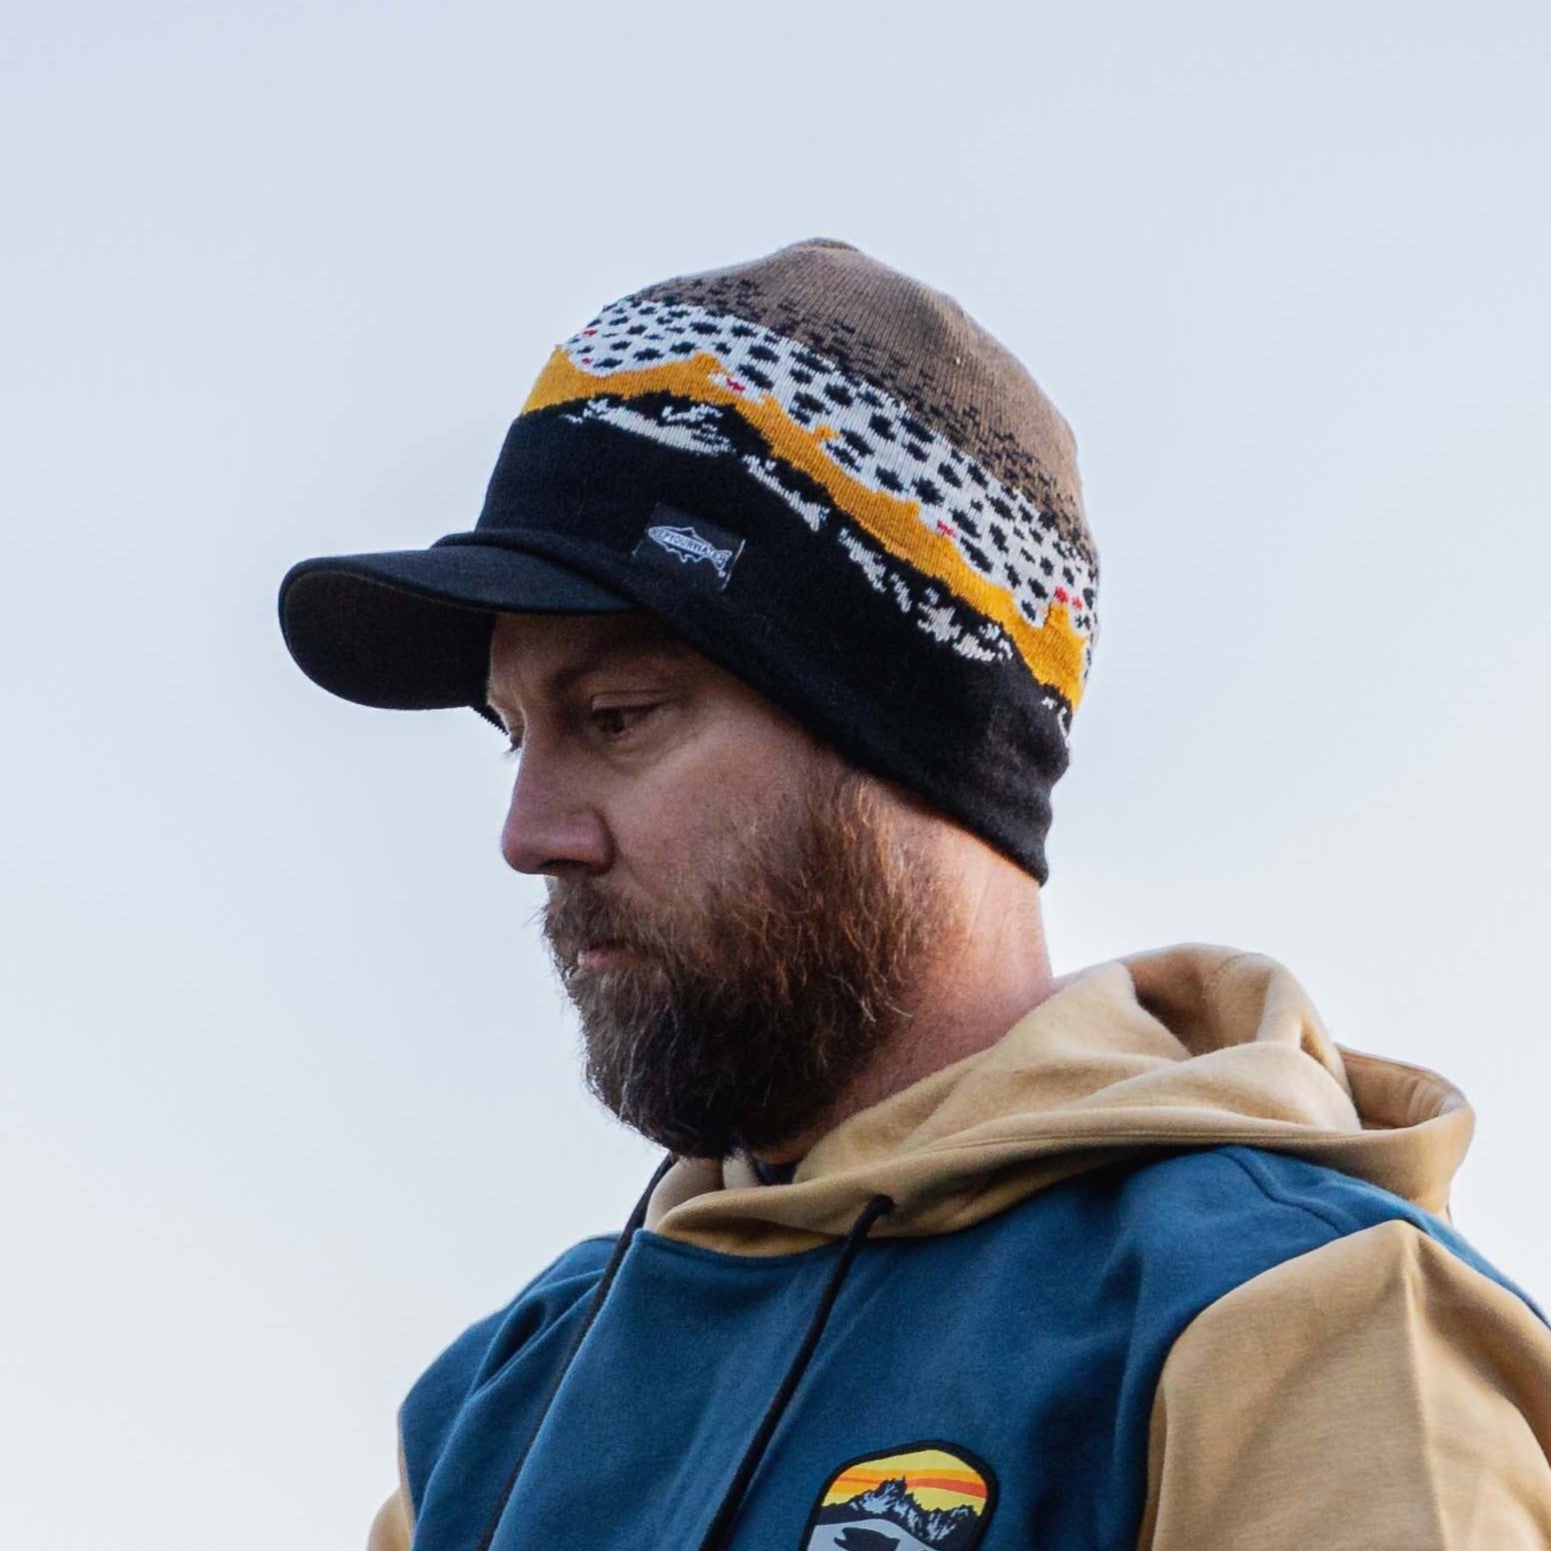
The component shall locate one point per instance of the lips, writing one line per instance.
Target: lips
(599, 956)
(588, 933)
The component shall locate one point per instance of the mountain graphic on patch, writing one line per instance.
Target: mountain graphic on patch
(924, 1497)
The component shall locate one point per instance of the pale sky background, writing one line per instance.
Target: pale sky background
(289, 1097)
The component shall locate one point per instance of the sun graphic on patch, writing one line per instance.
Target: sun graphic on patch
(924, 1497)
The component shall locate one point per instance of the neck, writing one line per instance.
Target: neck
(988, 973)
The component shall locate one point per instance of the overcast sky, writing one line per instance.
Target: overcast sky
(289, 1096)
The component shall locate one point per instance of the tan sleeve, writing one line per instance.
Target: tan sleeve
(1373, 1395)
(394, 1527)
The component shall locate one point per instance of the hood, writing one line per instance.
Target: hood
(1188, 1047)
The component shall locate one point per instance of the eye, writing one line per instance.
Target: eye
(613, 722)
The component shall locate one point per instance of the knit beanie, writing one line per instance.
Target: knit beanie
(824, 476)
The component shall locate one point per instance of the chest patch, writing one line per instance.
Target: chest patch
(922, 1497)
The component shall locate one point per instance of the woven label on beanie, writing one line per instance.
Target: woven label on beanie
(675, 539)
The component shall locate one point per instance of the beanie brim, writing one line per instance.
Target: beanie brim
(410, 630)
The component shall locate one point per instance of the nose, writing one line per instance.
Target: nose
(552, 826)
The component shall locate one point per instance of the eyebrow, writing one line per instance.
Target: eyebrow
(668, 650)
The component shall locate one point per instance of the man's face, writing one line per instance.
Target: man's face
(737, 914)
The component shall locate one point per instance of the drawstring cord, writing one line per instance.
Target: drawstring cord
(594, 1306)
(732, 1500)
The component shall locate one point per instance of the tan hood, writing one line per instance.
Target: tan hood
(1187, 1047)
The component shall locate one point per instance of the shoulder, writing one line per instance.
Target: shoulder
(559, 1285)
(436, 1398)
(1193, 1225)
(1240, 1183)
(1248, 1209)
(1346, 1370)
(1178, 1234)
(1385, 1389)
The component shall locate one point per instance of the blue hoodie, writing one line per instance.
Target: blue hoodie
(1164, 1267)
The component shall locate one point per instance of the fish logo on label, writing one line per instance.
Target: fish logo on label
(922, 1497)
(677, 539)
(689, 547)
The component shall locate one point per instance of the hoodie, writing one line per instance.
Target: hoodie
(1164, 1268)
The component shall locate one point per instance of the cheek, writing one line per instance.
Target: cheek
(684, 822)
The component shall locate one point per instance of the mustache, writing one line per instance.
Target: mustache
(577, 916)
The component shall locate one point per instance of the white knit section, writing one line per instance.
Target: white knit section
(1000, 534)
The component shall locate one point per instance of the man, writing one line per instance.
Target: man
(784, 595)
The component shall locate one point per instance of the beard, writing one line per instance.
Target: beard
(744, 1012)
